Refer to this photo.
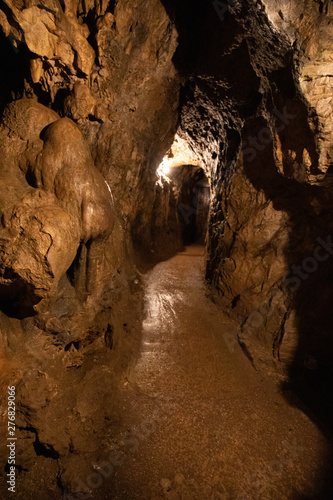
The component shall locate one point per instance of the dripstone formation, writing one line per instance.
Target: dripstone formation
(93, 96)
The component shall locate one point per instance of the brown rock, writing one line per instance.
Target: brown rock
(67, 202)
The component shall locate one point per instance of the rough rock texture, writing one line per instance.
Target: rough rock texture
(108, 66)
(55, 203)
(307, 24)
(261, 128)
(70, 293)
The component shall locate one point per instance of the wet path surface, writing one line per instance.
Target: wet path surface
(198, 422)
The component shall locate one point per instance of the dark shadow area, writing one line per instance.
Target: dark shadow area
(223, 69)
(193, 204)
(309, 282)
(60, 99)
(14, 66)
(17, 298)
(188, 17)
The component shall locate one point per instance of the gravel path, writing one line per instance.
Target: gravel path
(197, 421)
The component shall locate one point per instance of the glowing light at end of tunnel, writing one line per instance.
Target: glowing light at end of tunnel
(179, 154)
(163, 170)
(166, 169)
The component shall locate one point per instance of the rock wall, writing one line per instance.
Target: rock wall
(61, 206)
(90, 100)
(255, 111)
(108, 67)
(240, 91)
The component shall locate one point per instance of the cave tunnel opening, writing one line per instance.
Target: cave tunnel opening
(181, 208)
(193, 207)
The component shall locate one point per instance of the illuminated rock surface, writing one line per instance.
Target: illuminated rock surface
(123, 124)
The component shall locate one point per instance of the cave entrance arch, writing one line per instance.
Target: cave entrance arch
(182, 199)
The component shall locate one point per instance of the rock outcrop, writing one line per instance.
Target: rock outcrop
(236, 93)
(54, 202)
(256, 111)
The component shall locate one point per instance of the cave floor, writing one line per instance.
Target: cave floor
(197, 421)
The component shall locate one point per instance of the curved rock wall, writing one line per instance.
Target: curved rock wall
(107, 67)
(245, 89)
(62, 202)
(256, 110)
(255, 113)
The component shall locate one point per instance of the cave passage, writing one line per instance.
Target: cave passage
(195, 221)
(181, 211)
(166, 243)
(192, 408)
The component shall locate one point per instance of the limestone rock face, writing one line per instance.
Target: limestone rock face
(108, 66)
(308, 24)
(105, 75)
(257, 113)
(242, 90)
(53, 200)
(51, 34)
